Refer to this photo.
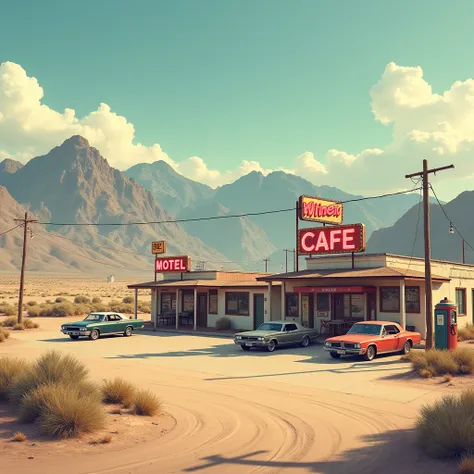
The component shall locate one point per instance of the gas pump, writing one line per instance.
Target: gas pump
(446, 334)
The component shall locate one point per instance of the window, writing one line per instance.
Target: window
(168, 302)
(461, 300)
(390, 299)
(353, 305)
(391, 329)
(412, 299)
(187, 303)
(322, 302)
(213, 305)
(237, 304)
(291, 327)
(292, 305)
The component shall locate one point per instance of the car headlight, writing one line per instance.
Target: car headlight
(261, 338)
(327, 344)
(238, 337)
(83, 329)
(357, 346)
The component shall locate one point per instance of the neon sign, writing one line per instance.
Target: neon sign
(320, 210)
(172, 264)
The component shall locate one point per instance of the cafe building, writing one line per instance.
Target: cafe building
(335, 291)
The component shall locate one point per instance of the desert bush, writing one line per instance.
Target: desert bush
(81, 309)
(99, 307)
(446, 428)
(466, 466)
(146, 403)
(29, 324)
(128, 300)
(144, 307)
(19, 327)
(3, 336)
(439, 362)
(466, 333)
(106, 439)
(7, 309)
(82, 300)
(11, 369)
(32, 303)
(118, 391)
(9, 322)
(96, 300)
(60, 299)
(67, 414)
(122, 308)
(19, 437)
(34, 311)
(223, 324)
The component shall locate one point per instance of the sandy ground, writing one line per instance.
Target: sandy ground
(229, 411)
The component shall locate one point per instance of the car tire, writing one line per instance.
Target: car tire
(94, 335)
(406, 348)
(128, 331)
(271, 345)
(305, 341)
(371, 353)
(335, 355)
(244, 347)
(73, 337)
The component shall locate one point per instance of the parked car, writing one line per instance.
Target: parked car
(273, 334)
(370, 338)
(95, 325)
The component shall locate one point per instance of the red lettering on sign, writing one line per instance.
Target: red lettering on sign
(313, 209)
(172, 264)
(331, 240)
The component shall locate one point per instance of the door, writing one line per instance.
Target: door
(289, 334)
(108, 324)
(390, 340)
(371, 307)
(202, 310)
(258, 310)
(305, 310)
(338, 312)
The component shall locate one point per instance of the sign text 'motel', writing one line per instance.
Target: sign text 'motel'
(332, 240)
(172, 264)
(320, 210)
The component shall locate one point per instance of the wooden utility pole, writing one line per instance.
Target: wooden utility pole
(25, 222)
(427, 238)
(266, 264)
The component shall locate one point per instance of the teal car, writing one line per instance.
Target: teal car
(95, 325)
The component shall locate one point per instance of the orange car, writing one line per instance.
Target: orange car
(369, 338)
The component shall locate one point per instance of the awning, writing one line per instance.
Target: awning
(335, 289)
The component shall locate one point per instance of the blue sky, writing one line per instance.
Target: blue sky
(262, 80)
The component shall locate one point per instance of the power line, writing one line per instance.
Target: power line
(416, 231)
(9, 230)
(211, 218)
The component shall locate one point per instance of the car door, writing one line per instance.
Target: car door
(293, 334)
(390, 340)
(107, 325)
(120, 323)
(284, 337)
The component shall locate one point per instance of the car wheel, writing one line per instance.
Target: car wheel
(244, 347)
(128, 331)
(305, 341)
(370, 354)
(94, 335)
(73, 337)
(271, 345)
(406, 347)
(335, 355)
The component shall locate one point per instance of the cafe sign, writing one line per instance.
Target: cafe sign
(332, 240)
(320, 210)
(172, 264)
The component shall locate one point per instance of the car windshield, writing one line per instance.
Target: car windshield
(94, 317)
(373, 329)
(269, 327)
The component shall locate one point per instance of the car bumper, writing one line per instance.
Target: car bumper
(251, 343)
(75, 333)
(345, 351)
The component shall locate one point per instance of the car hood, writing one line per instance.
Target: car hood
(78, 323)
(255, 333)
(353, 338)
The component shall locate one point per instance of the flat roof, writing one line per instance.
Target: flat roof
(200, 283)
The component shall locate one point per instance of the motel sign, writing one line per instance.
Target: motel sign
(172, 264)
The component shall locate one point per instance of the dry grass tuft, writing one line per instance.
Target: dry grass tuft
(439, 362)
(4, 334)
(19, 437)
(446, 428)
(19, 327)
(9, 322)
(146, 403)
(466, 333)
(447, 378)
(10, 370)
(29, 324)
(118, 391)
(466, 466)
(106, 439)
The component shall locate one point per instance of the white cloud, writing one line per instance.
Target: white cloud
(439, 127)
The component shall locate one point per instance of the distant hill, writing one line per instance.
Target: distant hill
(10, 166)
(73, 183)
(400, 237)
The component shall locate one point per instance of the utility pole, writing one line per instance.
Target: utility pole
(427, 238)
(286, 259)
(266, 264)
(25, 222)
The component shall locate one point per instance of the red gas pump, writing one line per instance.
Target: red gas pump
(453, 330)
(446, 331)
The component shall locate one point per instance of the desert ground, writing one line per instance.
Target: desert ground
(225, 410)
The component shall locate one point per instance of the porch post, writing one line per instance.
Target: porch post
(195, 307)
(177, 308)
(154, 306)
(283, 300)
(269, 303)
(136, 303)
(403, 318)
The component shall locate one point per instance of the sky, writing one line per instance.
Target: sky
(344, 93)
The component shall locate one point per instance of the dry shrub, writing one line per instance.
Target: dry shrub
(223, 324)
(466, 333)
(60, 299)
(446, 428)
(99, 307)
(9, 322)
(106, 439)
(96, 300)
(144, 307)
(121, 308)
(118, 391)
(19, 437)
(7, 309)
(4, 334)
(34, 311)
(128, 300)
(11, 369)
(81, 309)
(146, 403)
(439, 362)
(82, 300)
(29, 324)
(19, 327)
(466, 466)
(32, 303)
(447, 378)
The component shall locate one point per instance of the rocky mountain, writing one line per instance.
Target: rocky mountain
(400, 237)
(173, 191)
(10, 166)
(74, 184)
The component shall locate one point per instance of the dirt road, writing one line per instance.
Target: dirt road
(294, 411)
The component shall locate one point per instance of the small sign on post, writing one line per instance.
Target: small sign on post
(158, 247)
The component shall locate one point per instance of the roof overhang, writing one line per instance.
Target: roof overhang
(335, 289)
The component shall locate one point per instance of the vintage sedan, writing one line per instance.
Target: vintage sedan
(95, 325)
(273, 334)
(370, 338)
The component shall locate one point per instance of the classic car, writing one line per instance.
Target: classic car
(273, 334)
(95, 325)
(370, 338)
